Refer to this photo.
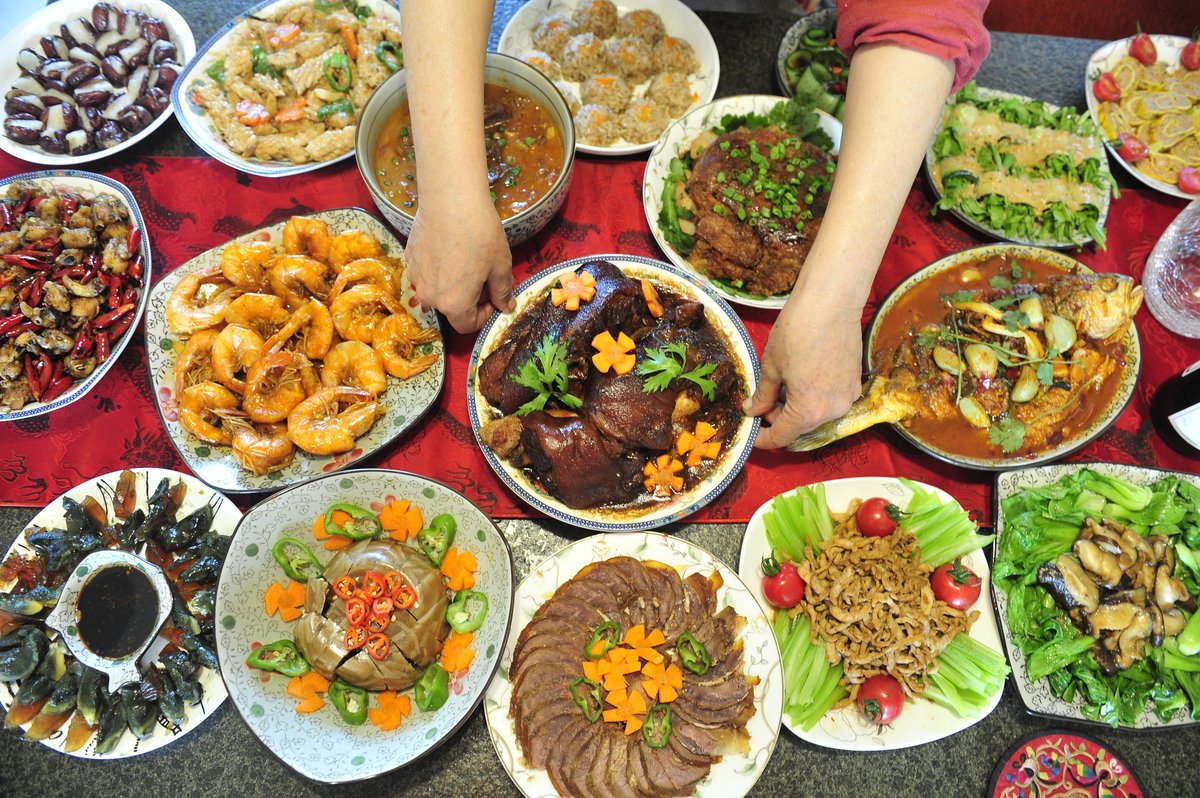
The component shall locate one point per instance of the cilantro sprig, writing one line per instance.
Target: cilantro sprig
(1009, 433)
(546, 373)
(660, 366)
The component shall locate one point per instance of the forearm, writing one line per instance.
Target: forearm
(445, 88)
(892, 109)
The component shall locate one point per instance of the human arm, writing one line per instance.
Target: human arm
(458, 257)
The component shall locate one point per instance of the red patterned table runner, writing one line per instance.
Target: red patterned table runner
(194, 204)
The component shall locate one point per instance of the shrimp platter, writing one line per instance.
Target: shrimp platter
(292, 351)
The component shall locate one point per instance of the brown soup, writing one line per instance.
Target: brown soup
(524, 152)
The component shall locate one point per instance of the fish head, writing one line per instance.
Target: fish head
(1099, 305)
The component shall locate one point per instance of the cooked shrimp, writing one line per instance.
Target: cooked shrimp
(263, 313)
(355, 364)
(352, 245)
(312, 325)
(359, 310)
(199, 301)
(233, 352)
(244, 265)
(331, 420)
(395, 339)
(369, 271)
(296, 278)
(305, 236)
(195, 361)
(262, 448)
(276, 383)
(202, 409)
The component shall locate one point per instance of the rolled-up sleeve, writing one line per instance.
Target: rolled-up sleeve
(948, 29)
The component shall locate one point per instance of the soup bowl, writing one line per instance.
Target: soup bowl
(499, 69)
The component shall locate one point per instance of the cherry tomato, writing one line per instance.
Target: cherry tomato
(877, 517)
(1189, 180)
(782, 585)
(1131, 148)
(881, 698)
(1191, 56)
(1142, 48)
(955, 584)
(1106, 89)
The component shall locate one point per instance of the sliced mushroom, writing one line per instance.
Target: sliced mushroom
(1132, 645)
(1068, 584)
(1100, 563)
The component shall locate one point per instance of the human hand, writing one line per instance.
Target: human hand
(811, 369)
(459, 262)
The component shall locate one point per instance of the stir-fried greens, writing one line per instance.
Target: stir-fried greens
(1041, 524)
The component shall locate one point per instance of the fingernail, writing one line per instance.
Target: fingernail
(747, 405)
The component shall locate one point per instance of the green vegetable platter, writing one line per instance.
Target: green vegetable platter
(669, 161)
(969, 680)
(1021, 170)
(342, 614)
(1066, 663)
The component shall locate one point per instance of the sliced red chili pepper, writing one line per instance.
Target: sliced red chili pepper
(35, 291)
(135, 238)
(382, 606)
(373, 585)
(392, 580)
(357, 612)
(135, 268)
(114, 290)
(45, 371)
(129, 296)
(32, 378)
(344, 587)
(102, 341)
(45, 243)
(356, 637)
(118, 329)
(70, 204)
(8, 322)
(378, 646)
(25, 326)
(6, 216)
(405, 597)
(106, 319)
(377, 623)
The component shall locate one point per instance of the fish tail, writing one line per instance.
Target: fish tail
(877, 407)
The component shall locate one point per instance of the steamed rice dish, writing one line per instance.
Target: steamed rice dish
(642, 23)
(610, 90)
(584, 55)
(544, 63)
(632, 57)
(551, 34)
(675, 55)
(596, 16)
(644, 120)
(597, 124)
(672, 91)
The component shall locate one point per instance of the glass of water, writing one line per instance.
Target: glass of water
(1172, 277)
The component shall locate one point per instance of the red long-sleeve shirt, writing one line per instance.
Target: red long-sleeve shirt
(949, 29)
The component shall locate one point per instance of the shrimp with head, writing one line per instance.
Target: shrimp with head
(195, 361)
(311, 325)
(298, 278)
(351, 245)
(331, 420)
(199, 301)
(245, 264)
(204, 407)
(355, 364)
(368, 271)
(263, 313)
(276, 383)
(305, 236)
(359, 310)
(234, 351)
(396, 338)
(262, 448)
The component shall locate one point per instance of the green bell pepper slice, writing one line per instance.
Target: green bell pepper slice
(296, 560)
(656, 730)
(460, 615)
(337, 72)
(363, 523)
(437, 538)
(342, 106)
(693, 654)
(389, 55)
(349, 700)
(281, 656)
(432, 690)
(587, 699)
(605, 638)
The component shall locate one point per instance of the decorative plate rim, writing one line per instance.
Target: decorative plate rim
(84, 386)
(580, 518)
(633, 545)
(1121, 398)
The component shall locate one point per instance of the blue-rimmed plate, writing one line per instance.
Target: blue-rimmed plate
(319, 745)
(738, 770)
(88, 185)
(657, 514)
(197, 123)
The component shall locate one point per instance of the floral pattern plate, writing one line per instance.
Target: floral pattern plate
(88, 185)
(405, 401)
(225, 519)
(650, 516)
(319, 745)
(194, 119)
(1080, 438)
(680, 21)
(1036, 695)
(734, 775)
(921, 721)
(1063, 764)
(679, 136)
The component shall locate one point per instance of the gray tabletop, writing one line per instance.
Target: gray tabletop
(222, 757)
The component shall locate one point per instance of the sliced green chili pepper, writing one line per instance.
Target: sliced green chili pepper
(296, 560)
(262, 61)
(280, 657)
(437, 538)
(216, 71)
(459, 615)
(325, 6)
(656, 731)
(605, 638)
(337, 72)
(587, 700)
(342, 106)
(389, 55)
(349, 700)
(433, 688)
(363, 523)
(693, 654)
(362, 12)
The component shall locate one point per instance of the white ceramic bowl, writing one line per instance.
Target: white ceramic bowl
(46, 21)
(498, 68)
(89, 185)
